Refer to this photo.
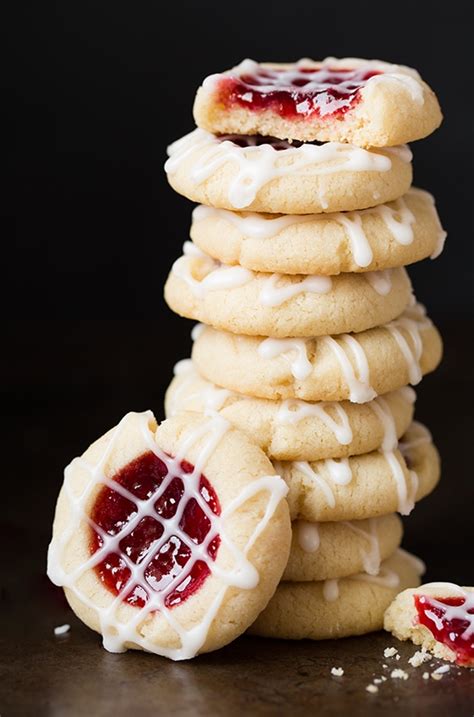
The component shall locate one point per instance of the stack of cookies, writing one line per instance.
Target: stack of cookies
(309, 333)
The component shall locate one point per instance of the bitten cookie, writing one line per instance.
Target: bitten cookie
(366, 102)
(330, 609)
(365, 486)
(265, 175)
(170, 539)
(324, 551)
(294, 430)
(388, 235)
(244, 302)
(330, 368)
(437, 616)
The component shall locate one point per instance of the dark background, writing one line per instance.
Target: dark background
(92, 228)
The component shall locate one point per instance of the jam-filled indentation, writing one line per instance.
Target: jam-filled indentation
(299, 92)
(451, 622)
(164, 533)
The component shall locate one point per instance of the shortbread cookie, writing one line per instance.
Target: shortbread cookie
(170, 539)
(437, 616)
(245, 302)
(337, 608)
(324, 551)
(388, 235)
(265, 175)
(366, 486)
(294, 430)
(367, 102)
(355, 367)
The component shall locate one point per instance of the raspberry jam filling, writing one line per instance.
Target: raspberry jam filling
(451, 622)
(300, 92)
(162, 540)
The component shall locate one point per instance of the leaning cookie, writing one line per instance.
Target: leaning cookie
(437, 616)
(170, 539)
(330, 609)
(365, 486)
(388, 235)
(366, 102)
(264, 175)
(324, 551)
(294, 430)
(245, 302)
(330, 368)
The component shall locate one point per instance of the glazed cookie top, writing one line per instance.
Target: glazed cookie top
(159, 529)
(390, 479)
(381, 237)
(267, 175)
(325, 551)
(439, 617)
(365, 102)
(328, 368)
(256, 304)
(294, 430)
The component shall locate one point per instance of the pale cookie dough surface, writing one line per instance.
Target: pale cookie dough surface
(308, 179)
(392, 107)
(253, 525)
(337, 608)
(292, 429)
(402, 621)
(325, 551)
(245, 302)
(364, 486)
(388, 235)
(355, 367)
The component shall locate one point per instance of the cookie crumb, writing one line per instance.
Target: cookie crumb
(372, 688)
(384, 665)
(62, 629)
(397, 656)
(337, 671)
(441, 670)
(419, 658)
(383, 678)
(436, 676)
(399, 674)
(377, 681)
(426, 675)
(390, 651)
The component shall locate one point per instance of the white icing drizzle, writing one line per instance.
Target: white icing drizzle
(382, 410)
(274, 295)
(420, 436)
(463, 612)
(196, 331)
(360, 390)
(398, 218)
(339, 472)
(406, 494)
(412, 321)
(408, 394)
(257, 165)
(380, 281)
(308, 536)
(300, 366)
(218, 277)
(293, 410)
(211, 397)
(331, 590)
(116, 632)
(385, 577)
(371, 558)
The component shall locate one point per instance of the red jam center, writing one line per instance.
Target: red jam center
(165, 559)
(299, 92)
(450, 621)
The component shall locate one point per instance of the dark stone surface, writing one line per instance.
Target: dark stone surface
(69, 382)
